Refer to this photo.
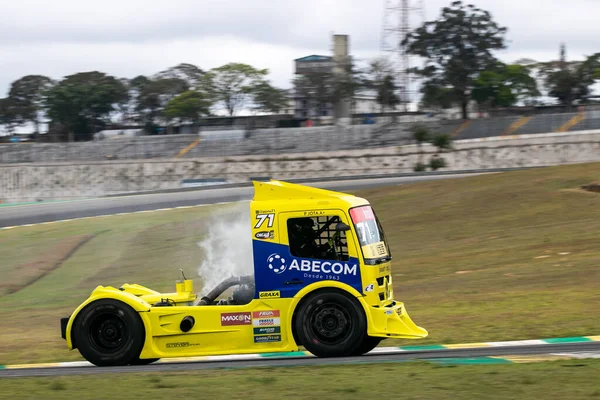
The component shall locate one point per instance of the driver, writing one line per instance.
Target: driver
(302, 240)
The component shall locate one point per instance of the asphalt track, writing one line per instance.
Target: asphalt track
(570, 348)
(14, 215)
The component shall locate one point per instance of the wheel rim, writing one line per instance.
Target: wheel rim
(108, 332)
(331, 323)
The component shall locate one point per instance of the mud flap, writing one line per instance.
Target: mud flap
(63, 327)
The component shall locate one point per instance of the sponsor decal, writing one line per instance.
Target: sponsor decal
(278, 264)
(271, 211)
(266, 322)
(181, 345)
(268, 338)
(240, 318)
(313, 213)
(325, 267)
(275, 294)
(370, 288)
(265, 235)
(267, 330)
(389, 312)
(265, 314)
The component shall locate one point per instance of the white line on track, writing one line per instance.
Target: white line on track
(111, 215)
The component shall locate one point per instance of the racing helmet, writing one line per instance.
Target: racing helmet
(302, 227)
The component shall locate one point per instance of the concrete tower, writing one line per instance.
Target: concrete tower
(341, 62)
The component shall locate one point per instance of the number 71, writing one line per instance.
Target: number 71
(261, 220)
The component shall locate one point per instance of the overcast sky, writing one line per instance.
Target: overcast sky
(132, 37)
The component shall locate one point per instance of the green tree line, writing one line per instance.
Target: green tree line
(459, 65)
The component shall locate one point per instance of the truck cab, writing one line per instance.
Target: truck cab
(322, 279)
(305, 238)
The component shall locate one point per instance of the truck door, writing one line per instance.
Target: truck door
(310, 249)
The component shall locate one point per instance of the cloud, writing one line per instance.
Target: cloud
(132, 37)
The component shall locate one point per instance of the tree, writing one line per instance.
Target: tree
(232, 84)
(504, 85)
(379, 79)
(570, 82)
(385, 94)
(267, 98)
(152, 96)
(377, 70)
(27, 94)
(347, 81)
(421, 135)
(442, 141)
(317, 88)
(456, 48)
(10, 116)
(437, 96)
(82, 103)
(189, 106)
(189, 73)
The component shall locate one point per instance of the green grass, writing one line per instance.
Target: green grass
(414, 380)
(498, 257)
(466, 260)
(139, 248)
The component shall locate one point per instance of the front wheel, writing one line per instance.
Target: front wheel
(108, 333)
(368, 344)
(331, 324)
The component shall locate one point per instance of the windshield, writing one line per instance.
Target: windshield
(370, 234)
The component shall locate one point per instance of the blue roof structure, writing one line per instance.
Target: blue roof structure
(314, 57)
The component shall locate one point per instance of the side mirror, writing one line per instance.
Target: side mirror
(342, 227)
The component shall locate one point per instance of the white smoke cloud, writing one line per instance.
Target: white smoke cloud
(227, 247)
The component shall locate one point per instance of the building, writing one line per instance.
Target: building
(307, 90)
(305, 105)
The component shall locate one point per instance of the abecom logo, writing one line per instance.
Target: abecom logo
(278, 264)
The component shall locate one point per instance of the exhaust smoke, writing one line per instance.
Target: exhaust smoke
(227, 246)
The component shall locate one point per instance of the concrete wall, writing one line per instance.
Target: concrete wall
(44, 181)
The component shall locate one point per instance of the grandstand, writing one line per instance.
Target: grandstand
(239, 142)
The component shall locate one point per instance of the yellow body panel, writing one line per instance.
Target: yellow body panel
(265, 323)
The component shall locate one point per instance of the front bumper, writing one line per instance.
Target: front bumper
(393, 321)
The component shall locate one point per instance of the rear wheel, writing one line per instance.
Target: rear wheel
(108, 333)
(331, 324)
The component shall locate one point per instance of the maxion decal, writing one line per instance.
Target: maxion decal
(243, 318)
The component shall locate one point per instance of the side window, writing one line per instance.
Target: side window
(316, 237)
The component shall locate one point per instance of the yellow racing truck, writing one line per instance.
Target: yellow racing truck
(322, 280)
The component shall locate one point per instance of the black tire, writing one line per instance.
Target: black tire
(368, 344)
(331, 324)
(109, 333)
(144, 361)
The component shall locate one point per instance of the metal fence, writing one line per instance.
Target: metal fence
(223, 143)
